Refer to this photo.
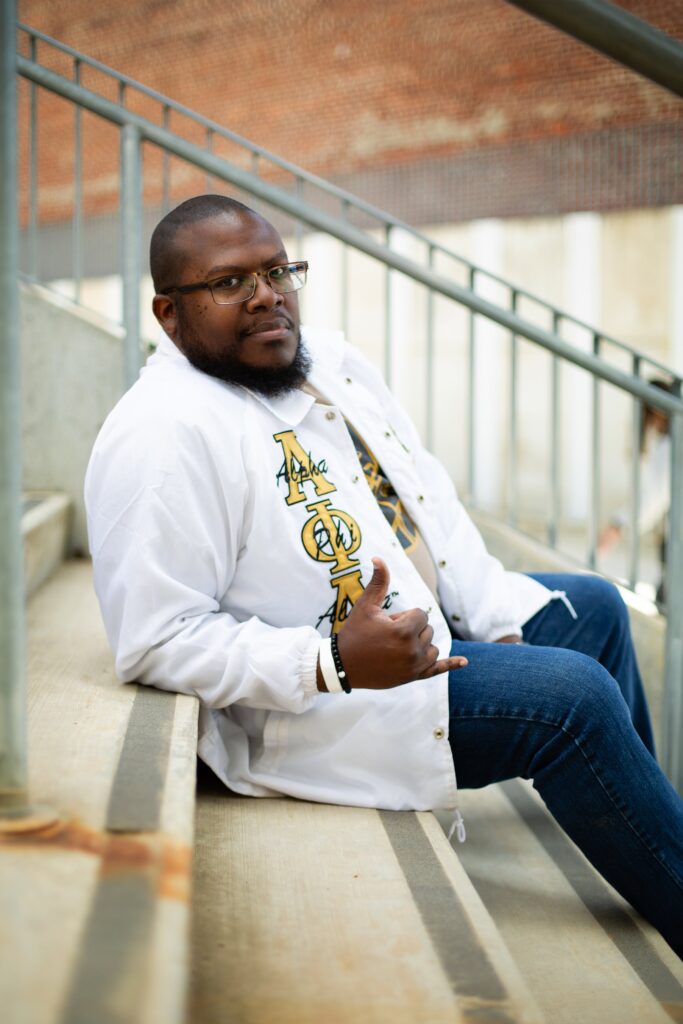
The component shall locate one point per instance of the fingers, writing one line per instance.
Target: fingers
(413, 621)
(444, 665)
(377, 588)
(425, 637)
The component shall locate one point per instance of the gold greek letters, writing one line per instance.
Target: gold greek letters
(299, 468)
(331, 535)
(349, 588)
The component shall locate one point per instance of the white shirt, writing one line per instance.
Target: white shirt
(218, 571)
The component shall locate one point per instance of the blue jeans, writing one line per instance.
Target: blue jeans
(567, 709)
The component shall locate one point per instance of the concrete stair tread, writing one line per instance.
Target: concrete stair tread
(95, 908)
(583, 952)
(309, 912)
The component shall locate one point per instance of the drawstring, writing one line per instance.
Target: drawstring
(561, 596)
(457, 826)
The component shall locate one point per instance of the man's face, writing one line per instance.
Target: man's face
(255, 343)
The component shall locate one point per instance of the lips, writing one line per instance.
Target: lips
(274, 327)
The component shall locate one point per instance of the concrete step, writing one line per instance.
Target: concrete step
(94, 909)
(584, 954)
(45, 525)
(308, 912)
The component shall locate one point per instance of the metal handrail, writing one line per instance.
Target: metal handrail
(346, 199)
(345, 232)
(134, 129)
(618, 34)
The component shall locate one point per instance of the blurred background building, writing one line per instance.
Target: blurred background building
(510, 143)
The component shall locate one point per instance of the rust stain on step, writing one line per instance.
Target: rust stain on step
(168, 860)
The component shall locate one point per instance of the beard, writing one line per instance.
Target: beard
(271, 381)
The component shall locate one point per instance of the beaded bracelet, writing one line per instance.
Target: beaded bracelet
(341, 674)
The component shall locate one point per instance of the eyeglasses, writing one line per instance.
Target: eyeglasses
(288, 277)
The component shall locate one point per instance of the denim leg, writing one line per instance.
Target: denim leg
(602, 631)
(557, 716)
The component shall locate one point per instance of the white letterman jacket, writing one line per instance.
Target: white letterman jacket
(220, 558)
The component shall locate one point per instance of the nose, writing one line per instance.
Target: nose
(264, 297)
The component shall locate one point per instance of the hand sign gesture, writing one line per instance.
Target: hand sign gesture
(379, 650)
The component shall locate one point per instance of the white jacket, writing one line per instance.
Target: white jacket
(213, 566)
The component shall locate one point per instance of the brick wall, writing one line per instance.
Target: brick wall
(434, 109)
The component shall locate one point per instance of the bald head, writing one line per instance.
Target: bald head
(166, 248)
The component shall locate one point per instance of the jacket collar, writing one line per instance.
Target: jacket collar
(325, 347)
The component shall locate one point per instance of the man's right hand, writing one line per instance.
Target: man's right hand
(379, 651)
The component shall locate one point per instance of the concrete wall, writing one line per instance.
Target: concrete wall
(71, 377)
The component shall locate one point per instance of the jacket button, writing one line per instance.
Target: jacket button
(456, 618)
(349, 381)
(442, 563)
(330, 415)
(439, 734)
(387, 433)
(355, 479)
(420, 497)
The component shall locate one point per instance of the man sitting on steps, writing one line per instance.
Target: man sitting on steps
(269, 534)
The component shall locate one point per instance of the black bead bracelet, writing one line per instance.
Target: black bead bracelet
(345, 684)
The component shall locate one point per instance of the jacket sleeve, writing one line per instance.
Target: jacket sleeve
(165, 529)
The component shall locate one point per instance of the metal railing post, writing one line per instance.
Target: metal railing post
(131, 226)
(672, 710)
(594, 516)
(513, 490)
(636, 427)
(429, 397)
(554, 518)
(78, 194)
(388, 318)
(13, 757)
(471, 378)
(33, 173)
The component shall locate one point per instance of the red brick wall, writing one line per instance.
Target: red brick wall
(439, 100)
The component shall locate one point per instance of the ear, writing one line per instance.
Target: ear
(164, 310)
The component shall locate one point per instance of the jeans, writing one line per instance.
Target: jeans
(567, 709)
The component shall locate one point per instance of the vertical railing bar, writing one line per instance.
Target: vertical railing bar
(672, 709)
(166, 167)
(208, 181)
(298, 235)
(33, 172)
(594, 518)
(122, 94)
(345, 276)
(471, 480)
(78, 193)
(513, 488)
(388, 325)
(635, 481)
(554, 441)
(131, 227)
(431, 252)
(298, 224)
(256, 171)
(13, 730)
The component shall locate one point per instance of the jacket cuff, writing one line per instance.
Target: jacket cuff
(309, 665)
(497, 631)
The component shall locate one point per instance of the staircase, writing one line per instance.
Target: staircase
(300, 911)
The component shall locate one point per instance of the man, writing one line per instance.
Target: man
(267, 531)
